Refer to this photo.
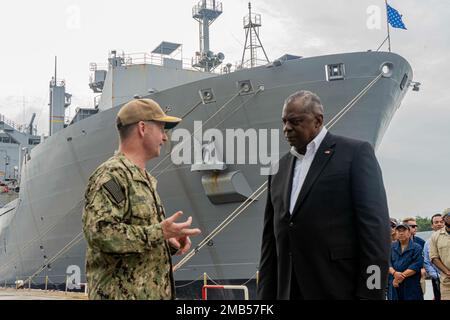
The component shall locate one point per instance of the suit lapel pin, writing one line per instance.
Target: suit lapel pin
(328, 152)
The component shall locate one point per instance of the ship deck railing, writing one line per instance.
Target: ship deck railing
(151, 58)
(142, 58)
(11, 123)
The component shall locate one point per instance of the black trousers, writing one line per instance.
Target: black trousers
(436, 288)
(295, 293)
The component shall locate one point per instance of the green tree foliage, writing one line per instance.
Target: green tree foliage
(424, 224)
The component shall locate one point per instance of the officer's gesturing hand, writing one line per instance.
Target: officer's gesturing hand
(179, 231)
(183, 244)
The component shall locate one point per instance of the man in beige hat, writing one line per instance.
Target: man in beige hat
(130, 241)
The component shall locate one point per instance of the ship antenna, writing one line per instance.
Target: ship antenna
(56, 66)
(59, 100)
(252, 23)
(206, 12)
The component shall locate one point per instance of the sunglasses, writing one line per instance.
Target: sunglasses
(412, 225)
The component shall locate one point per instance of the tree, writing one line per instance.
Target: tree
(423, 224)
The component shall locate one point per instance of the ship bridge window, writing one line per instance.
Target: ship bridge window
(7, 139)
(335, 71)
(34, 141)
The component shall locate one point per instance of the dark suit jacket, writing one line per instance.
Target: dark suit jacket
(340, 226)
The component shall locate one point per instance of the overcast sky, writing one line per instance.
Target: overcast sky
(415, 152)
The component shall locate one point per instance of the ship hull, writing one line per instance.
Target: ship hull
(47, 216)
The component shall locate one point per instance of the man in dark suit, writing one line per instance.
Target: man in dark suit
(326, 226)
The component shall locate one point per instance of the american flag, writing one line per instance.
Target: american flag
(395, 18)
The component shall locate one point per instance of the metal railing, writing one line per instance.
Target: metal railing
(59, 284)
(57, 83)
(11, 123)
(152, 58)
(139, 58)
(215, 285)
(255, 19)
(94, 66)
(212, 5)
(248, 64)
(224, 287)
(46, 286)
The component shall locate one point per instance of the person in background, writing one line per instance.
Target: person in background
(412, 223)
(393, 225)
(437, 223)
(406, 263)
(440, 254)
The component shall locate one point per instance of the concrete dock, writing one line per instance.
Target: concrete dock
(26, 294)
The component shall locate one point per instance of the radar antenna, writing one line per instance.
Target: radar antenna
(206, 12)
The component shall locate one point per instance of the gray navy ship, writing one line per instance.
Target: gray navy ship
(15, 141)
(41, 236)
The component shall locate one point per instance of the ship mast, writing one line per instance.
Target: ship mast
(252, 23)
(206, 12)
(59, 101)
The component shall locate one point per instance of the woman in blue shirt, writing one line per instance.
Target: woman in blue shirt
(406, 262)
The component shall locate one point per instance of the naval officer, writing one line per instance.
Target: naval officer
(130, 241)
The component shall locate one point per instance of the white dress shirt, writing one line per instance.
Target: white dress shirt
(302, 165)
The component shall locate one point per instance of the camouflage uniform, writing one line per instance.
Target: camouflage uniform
(127, 256)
